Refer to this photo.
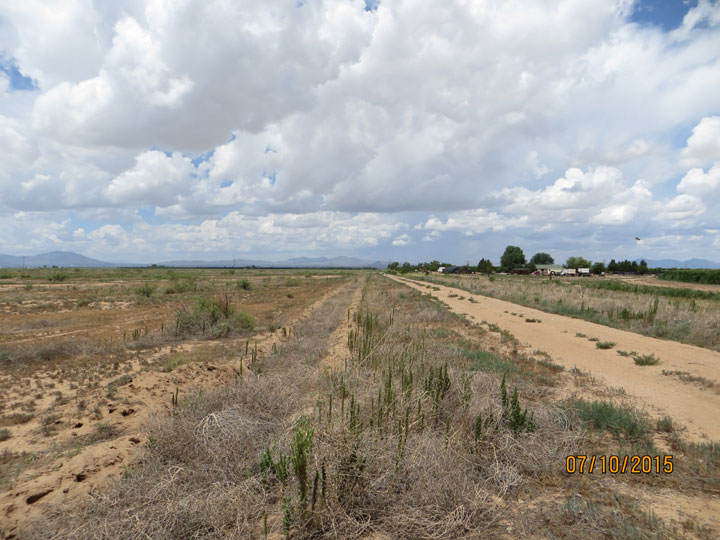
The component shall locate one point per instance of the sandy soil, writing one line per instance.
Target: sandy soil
(338, 351)
(79, 468)
(698, 409)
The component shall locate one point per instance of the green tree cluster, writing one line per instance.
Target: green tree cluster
(512, 258)
(542, 258)
(485, 266)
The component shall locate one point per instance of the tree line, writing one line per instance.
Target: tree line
(514, 259)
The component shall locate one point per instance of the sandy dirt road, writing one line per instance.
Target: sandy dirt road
(698, 409)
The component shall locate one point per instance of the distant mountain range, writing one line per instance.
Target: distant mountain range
(69, 259)
(674, 263)
(53, 258)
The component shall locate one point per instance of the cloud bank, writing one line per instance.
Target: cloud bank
(409, 129)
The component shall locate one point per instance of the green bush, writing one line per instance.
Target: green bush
(84, 301)
(487, 361)
(146, 290)
(665, 424)
(57, 277)
(646, 359)
(244, 284)
(604, 416)
(181, 285)
(216, 317)
(604, 344)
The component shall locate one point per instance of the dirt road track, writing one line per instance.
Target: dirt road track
(698, 409)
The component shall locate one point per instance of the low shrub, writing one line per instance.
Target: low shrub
(665, 424)
(216, 317)
(244, 284)
(146, 290)
(605, 416)
(181, 285)
(646, 359)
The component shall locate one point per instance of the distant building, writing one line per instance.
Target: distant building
(569, 272)
(549, 269)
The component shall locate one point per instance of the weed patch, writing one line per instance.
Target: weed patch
(605, 416)
(646, 359)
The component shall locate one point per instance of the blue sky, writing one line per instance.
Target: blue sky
(17, 81)
(666, 14)
(404, 130)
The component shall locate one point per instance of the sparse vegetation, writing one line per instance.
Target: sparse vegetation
(605, 416)
(690, 378)
(646, 359)
(215, 317)
(425, 426)
(673, 313)
(604, 344)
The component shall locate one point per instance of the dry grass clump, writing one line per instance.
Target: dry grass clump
(34, 352)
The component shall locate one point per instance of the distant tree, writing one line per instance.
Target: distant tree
(612, 266)
(598, 268)
(542, 258)
(485, 266)
(512, 258)
(406, 268)
(531, 266)
(643, 267)
(577, 262)
(393, 265)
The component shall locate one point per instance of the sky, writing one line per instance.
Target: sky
(410, 130)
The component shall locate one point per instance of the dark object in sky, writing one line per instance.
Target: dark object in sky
(636, 238)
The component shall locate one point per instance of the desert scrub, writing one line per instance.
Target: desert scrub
(244, 284)
(688, 377)
(604, 344)
(57, 277)
(83, 301)
(665, 424)
(605, 416)
(5, 434)
(181, 285)
(215, 317)
(646, 359)
(146, 290)
(113, 385)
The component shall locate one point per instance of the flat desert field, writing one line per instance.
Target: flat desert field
(163, 404)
